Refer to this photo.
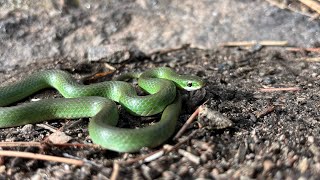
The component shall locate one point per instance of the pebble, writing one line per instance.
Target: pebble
(215, 172)
(282, 137)
(168, 175)
(206, 156)
(241, 153)
(303, 165)
(59, 137)
(146, 171)
(100, 176)
(27, 128)
(193, 158)
(36, 177)
(157, 166)
(250, 156)
(316, 168)
(247, 171)
(278, 175)
(310, 139)
(302, 178)
(314, 149)
(275, 147)
(201, 144)
(183, 170)
(268, 80)
(2, 169)
(267, 165)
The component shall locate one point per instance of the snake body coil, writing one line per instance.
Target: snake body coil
(84, 101)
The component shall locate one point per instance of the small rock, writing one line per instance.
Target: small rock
(278, 175)
(314, 149)
(146, 171)
(241, 153)
(215, 119)
(268, 80)
(215, 172)
(59, 137)
(169, 175)
(183, 170)
(27, 128)
(267, 165)
(36, 177)
(282, 137)
(193, 158)
(275, 147)
(310, 139)
(316, 168)
(303, 165)
(302, 178)
(247, 171)
(2, 169)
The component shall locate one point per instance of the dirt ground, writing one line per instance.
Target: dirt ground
(270, 94)
(274, 134)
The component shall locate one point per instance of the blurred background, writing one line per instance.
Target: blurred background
(88, 31)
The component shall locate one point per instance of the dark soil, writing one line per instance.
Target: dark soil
(276, 144)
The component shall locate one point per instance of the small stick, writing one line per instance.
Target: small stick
(314, 59)
(39, 144)
(188, 122)
(304, 49)
(159, 153)
(154, 156)
(279, 89)
(115, 172)
(252, 43)
(285, 6)
(265, 111)
(48, 127)
(99, 75)
(183, 141)
(312, 4)
(110, 67)
(20, 144)
(41, 157)
(140, 158)
(195, 159)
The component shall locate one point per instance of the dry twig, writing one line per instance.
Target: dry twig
(41, 157)
(195, 159)
(115, 172)
(312, 59)
(156, 154)
(188, 122)
(312, 4)
(293, 9)
(265, 111)
(252, 43)
(304, 49)
(271, 89)
(40, 144)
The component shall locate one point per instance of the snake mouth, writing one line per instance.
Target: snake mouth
(193, 88)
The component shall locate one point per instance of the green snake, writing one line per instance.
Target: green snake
(98, 102)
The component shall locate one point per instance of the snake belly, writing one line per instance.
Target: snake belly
(98, 102)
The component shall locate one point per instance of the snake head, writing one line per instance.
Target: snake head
(189, 83)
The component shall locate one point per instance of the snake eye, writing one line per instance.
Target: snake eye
(189, 84)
